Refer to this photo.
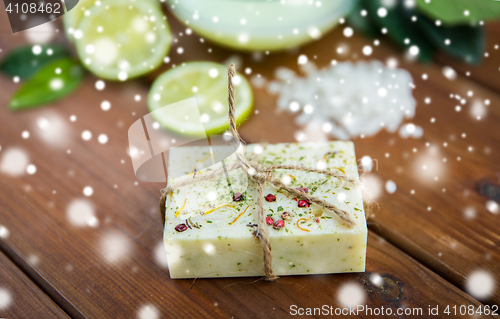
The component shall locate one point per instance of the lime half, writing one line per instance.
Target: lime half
(207, 83)
(122, 39)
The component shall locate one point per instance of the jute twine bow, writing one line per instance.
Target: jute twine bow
(260, 175)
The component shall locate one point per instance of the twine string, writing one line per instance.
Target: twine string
(260, 175)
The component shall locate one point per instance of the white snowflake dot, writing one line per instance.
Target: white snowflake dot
(348, 32)
(88, 191)
(390, 187)
(302, 59)
(31, 169)
(367, 50)
(480, 284)
(105, 105)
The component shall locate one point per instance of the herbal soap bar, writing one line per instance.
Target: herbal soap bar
(209, 226)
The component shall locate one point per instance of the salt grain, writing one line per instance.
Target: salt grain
(353, 98)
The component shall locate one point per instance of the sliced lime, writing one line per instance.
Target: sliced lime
(74, 16)
(122, 39)
(207, 83)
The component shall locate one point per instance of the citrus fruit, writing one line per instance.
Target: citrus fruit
(73, 17)
(122, 39)
(260, 25)
(207, 83)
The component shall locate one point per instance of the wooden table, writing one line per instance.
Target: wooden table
(421, 243)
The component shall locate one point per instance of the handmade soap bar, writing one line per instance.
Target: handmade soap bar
(209, 225)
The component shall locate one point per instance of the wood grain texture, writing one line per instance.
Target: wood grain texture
(90, 288)
(21, 298)
(112, 270)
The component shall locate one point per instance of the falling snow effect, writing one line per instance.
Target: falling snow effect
(411, 130)
(449, 73)
(103, 138)
(492, 207)
(52, 129)
(148, 312)
(115, 247)
(31, 169)
(478, 109)
(81, 213)
(367, 163)
(347, 100)
(390, 187)
(351, 295)
(371, 187)
(428, 165)
(377, 280)
(302, 59)
(14, 161)
(161, 255)
(480, 284)
(5, 299)
(105, 105)
(88, 191)
(4, 232)
(469, 213)
(86, 135)
(100, 85)
(41, 34)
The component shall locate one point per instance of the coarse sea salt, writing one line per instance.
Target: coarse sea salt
(348, 99)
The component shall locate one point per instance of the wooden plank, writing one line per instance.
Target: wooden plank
(458, 149)
(442, 238)
(90, 288)
(21, 298)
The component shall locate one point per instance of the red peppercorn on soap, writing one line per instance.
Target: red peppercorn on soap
(209, 225)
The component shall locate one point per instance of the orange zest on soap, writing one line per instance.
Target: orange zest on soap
(213, 210)
(340, 169)
(204, 159)
(307, 230)
(180, 209)
(239, 215)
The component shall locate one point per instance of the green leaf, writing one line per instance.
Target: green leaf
(400, 27)
(361, 23)
(465, 42)
(22, 62)
(453, 12)
(53, 82)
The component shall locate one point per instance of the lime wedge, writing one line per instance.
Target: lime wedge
(207, 83)
(122, 39)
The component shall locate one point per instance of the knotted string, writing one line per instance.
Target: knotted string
(260, 175)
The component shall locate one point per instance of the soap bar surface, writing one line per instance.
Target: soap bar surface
(219, 240)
